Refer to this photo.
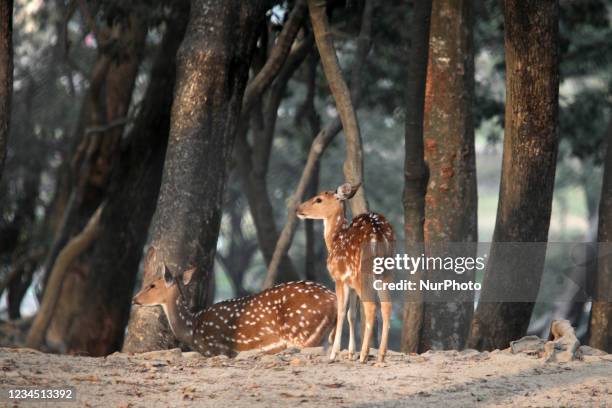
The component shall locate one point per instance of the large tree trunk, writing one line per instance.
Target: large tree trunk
(97, 154)
(212, 69)
(415, 169)
(450, 200)
(99, 327)
(601, 312)
(6, 74)
(528, 170)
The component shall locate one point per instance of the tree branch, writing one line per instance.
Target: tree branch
(277, 58)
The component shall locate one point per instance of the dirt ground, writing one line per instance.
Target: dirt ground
(306, 378)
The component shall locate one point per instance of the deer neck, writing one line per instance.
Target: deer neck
(180, 318)
(332, 225)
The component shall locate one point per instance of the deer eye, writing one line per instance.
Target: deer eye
(152, 285)
(318, 200)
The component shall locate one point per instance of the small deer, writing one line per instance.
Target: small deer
(345, 243)
(294, 314)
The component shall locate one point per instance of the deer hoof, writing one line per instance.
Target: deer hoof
(332, 356)
(350, 356)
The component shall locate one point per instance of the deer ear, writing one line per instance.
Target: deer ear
(346, 191)
(187, 275)
(168, 277)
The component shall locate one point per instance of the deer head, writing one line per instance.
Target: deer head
(327, 203)
(163, 290)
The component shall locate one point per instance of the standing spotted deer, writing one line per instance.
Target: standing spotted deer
(295, 314)
(345, 243)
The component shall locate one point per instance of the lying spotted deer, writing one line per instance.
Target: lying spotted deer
(345, 243)
(295, 314)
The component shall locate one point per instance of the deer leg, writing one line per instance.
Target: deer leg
(352, 308)
(369, 309)
(386, 307)
(342, 299)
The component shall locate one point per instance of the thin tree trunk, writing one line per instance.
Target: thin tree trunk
(6, 74)
(308, 113)
(283, 244)
(319, 144)
(353, 164)
(601, 311)
(212, 70)
(99, 327)
(240, 249)
(528, 170)
(415, 169)
(450, 199)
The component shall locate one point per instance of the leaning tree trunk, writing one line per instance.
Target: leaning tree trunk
(353, 164)
(601, 312)
(212, 69)
(448, 129)
(99, 327)
(6, 74)
(528, 170)
(101, 148)
(415, 169)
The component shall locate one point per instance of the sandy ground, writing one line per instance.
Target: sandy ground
(306, 378)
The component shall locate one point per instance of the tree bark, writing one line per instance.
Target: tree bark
(6, 74)
(528, 169)
(415, 169)
(601, 311)
(448, 128)
(212, 70)
(98, 329)
(353, 164)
